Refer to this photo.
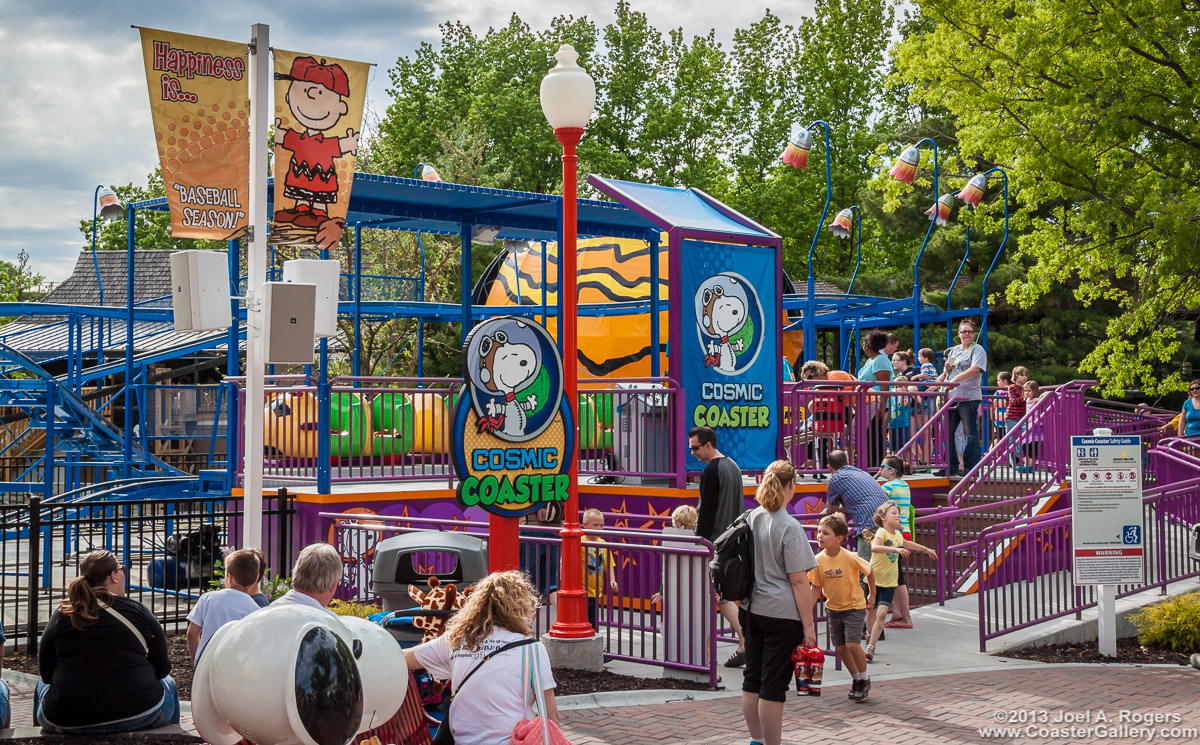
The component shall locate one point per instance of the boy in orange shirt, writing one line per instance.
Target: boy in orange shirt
(837, 579)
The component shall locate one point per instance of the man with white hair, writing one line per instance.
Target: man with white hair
(315, 577)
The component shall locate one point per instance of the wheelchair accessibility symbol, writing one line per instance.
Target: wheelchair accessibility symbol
(1131, 535)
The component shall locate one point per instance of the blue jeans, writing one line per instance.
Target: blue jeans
(166, 713)
(966, 412)
(4, 710)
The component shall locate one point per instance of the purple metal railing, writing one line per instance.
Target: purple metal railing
(1025, 566)
(412, 423)
(1034, 455)
(822, 415)
(627, 430)
(954, 529)
(402, 429)
(995, 495)
(634, 629)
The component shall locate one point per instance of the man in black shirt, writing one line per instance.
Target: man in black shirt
(721, 501)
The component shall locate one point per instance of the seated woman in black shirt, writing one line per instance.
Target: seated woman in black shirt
(103, 659)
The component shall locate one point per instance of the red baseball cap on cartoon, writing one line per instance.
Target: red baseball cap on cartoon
(308, 70)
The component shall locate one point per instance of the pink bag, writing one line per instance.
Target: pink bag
(539, 730)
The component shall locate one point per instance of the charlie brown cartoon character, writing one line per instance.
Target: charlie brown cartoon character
(316, 98)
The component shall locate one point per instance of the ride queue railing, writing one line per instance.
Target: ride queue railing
(953, 529)
(679, 634)
(404, 429)
(1033, 455)
(907, 419)
(1025, 574)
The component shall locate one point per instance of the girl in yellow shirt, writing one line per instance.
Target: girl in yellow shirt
(887, 547)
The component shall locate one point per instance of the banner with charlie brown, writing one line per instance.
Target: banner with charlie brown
(318, 116)
(199, 103)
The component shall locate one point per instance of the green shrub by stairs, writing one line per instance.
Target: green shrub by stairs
(1173, 623)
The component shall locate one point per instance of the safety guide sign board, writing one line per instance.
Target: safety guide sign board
(1107, 534)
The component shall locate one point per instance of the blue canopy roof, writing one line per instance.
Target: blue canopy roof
(441, 208)
(690, 209)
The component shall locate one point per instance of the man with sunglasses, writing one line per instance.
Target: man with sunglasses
(721, 501)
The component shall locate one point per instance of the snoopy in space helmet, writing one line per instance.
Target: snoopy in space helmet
(296, 675)
(723, 315)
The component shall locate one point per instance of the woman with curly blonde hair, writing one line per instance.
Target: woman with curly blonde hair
(779, 614)
(496, 621)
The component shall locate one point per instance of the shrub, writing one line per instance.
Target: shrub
(1173, 623)
(351, 608)
(274, 587)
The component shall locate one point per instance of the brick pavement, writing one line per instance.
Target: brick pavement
(928, 710)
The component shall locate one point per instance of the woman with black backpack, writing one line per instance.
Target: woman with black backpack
(778, 615)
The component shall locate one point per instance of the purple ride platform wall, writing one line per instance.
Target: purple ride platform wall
(625, 508)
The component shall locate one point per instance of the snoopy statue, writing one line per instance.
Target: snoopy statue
(294, 675)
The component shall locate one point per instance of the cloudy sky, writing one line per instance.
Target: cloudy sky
(76, 90)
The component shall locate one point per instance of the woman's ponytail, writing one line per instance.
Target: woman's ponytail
(86, 592)
(778, 477)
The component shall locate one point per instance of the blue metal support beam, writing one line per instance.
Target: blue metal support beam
(950, 291)
(356, 365)
(127, 465)
(233, 366)
(467, 230)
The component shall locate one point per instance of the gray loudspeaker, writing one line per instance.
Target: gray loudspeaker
(325, 275)
(288, 314)
(200, 290)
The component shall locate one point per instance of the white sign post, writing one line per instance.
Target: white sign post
(256, 265)
(1107, 534)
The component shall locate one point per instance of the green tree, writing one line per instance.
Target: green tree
(18, 283)
(153, 228)
(1091, 106)
(475, 100)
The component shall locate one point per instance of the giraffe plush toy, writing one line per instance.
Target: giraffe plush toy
(439, 597)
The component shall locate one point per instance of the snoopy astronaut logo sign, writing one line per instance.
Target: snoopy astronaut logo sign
(517, 435)
(730, 323)
(731, 361)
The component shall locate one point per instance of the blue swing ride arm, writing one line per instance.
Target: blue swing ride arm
(983, 303)
(810, 311)
(921, 251)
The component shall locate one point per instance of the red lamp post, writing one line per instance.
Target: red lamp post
(568, 97)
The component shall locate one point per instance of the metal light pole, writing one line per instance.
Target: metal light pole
(568, 96)
(256, 263)
(105, 204)
(979, 183)
(904, 170)
(796, 155)
(842, 227)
